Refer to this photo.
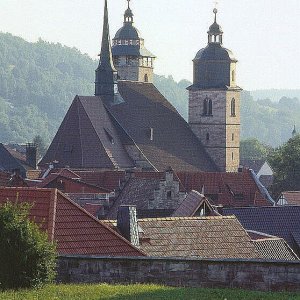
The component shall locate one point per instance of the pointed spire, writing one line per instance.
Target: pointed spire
(294, 131)
(106, 74)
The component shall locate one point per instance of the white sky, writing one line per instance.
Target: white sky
(263, 34)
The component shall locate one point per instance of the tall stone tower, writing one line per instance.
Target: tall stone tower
(214, 101)
(132, 60)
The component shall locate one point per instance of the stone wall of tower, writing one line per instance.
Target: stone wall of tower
(135, 73)
(220, 132)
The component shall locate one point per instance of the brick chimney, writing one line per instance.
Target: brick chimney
(127, 223)
(31, 155)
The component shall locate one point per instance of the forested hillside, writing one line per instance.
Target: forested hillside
(39, 80)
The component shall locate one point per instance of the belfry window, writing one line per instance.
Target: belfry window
(146, 79)
(207, 107)
(232, 107)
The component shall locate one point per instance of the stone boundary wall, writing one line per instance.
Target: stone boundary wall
(224, 273)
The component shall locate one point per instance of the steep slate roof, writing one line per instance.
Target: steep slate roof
(254, 164)
(206, 237)
(275, 248)
(9, 163)
(174, 144)
(281, 221)
(94, 135)
(228, 189)
(87, 138)
(137, 191)
(4, 178)
(191, 204)
(75, 230)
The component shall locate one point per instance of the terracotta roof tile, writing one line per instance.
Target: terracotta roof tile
(75, 230)
(292, 197)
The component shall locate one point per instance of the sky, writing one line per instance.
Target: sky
(263, 34)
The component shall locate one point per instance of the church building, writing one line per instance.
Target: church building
(129, 124)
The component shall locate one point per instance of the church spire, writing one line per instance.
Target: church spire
(294, 133)
(106, 74)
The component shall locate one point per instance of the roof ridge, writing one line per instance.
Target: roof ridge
(187, 218)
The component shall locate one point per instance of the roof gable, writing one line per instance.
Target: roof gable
(75, 230)
(87, 138)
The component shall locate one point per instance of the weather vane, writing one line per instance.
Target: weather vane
(128, 3)
(216, 9)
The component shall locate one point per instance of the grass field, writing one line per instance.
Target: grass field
(140, 292)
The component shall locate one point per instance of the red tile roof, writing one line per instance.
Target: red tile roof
(227, 189)
(69, 185)
(75, 230)
(292, 197)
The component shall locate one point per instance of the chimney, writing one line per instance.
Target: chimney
(31, 155)
(127, 223)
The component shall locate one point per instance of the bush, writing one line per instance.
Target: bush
(27, 258)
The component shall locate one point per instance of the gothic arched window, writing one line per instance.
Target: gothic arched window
(210, 109)
(207, 107)
(232, 107)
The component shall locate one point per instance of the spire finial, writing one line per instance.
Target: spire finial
(215, 11)
(128, 16)
(294, 131)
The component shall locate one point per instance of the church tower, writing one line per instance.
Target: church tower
(214, 101)
(132, 60)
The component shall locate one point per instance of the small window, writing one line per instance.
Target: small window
(169, 194)
(232, 156)
(232, 136)
(207, 137)
(146, 79)
(207, 107)
(232, 107)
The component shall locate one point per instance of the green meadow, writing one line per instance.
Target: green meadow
(140, 292)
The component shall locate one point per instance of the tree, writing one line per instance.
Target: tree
(27, 259)
(253, 149)
(285, 162)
